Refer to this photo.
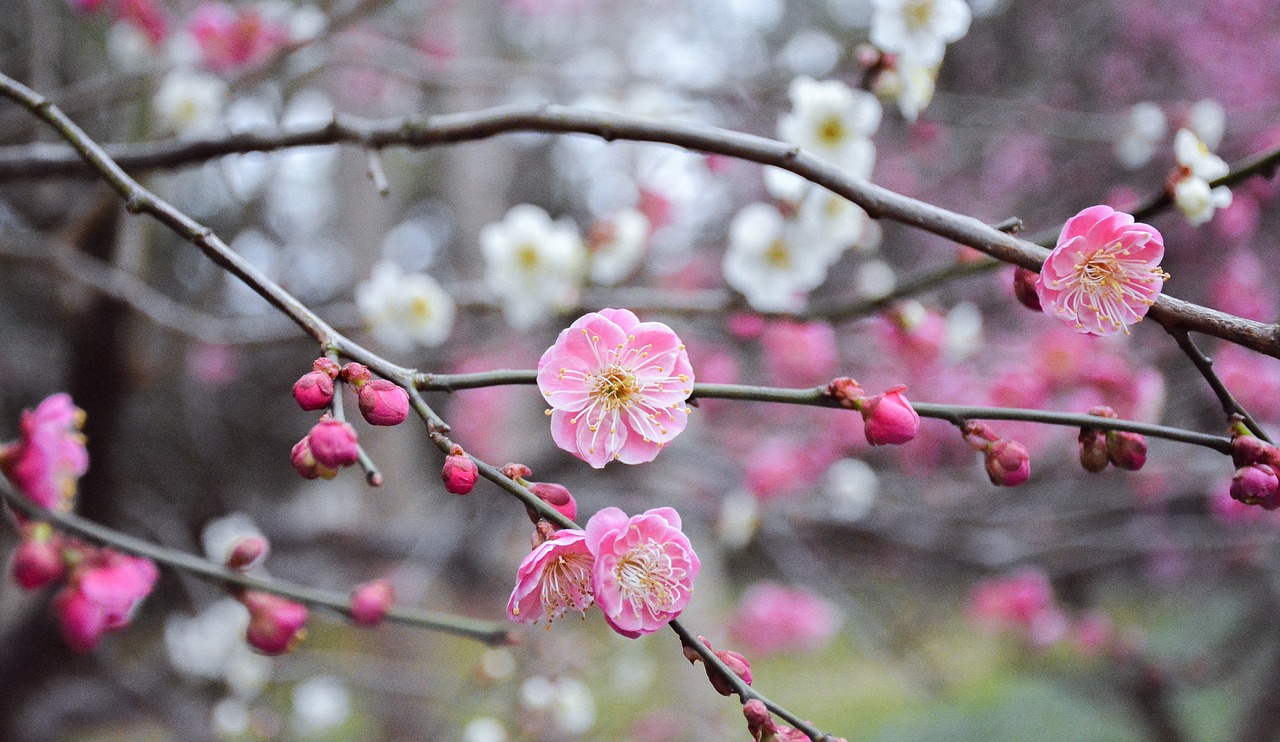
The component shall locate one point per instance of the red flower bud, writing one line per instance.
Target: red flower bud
(889, 418)
(275, 624)
(1024, 287)
(978, 435)
(383, 403)
(37, 563)
(1255, 484)
(1248, 449)
(760, 723)
(460, 472)
(1008, 463)
(736, 663)
(314, 391)
(370, 602)
(1126, 450)
(326, 366)
(305, 463)
(333, 443)
(516, 471)
(356, 374)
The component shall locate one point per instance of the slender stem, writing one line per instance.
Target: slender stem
(915, 285)
(879, 202)
(1204, 364)
(490, 633)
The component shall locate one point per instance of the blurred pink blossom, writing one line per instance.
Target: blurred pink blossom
(100, 596)
(1022, 603)
(773, 619)
(49, 455)
(231, 38)
(799, 353)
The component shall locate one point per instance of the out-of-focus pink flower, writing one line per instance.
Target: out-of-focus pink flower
(1252, 377)
(644, 568)
(781, 467)
(773, 619)
(799, 353)
(1021, 602)
(212, 364)
(371, 601)
(459, 473)
(383, 403)
(617, 387)
(230, 39)
(553, 579)
(146, 16)
(1092, 634)
(1007, 462)
(1104, 274)
(38, 559)
(275, 623)
(333, 443)
(1242, 288)
(101, 595)
(49, 455)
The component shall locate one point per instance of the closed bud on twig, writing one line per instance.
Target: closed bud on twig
(1248, 449)
(313, 391)
(1024, 287)
(759, 721)
(1007, 462)
(305, 462)
(333, 443)
(248, 552)
(555, 495)
(889, 418)
(1093, 449)
(383, 403)
(356, 374)
(736, 663)
(371, 601)
(978, 434)
(326, 366)
(38, 562)
(460, 472)
(275, 623)
(516, 471)
(1126, 450)
(1256, 484)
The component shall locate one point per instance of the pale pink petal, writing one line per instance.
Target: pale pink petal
(625, 319)
(1080, 224)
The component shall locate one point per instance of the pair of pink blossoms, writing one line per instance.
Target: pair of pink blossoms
(639, 570)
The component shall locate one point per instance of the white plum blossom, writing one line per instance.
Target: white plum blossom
(916, 84)
(1144, 129)
(1193, 195)
(533, 265)
(771, 261)
(189, 102)
(405, 309)
(1208, 121)
(835, 223)
(876, 279)
(617, 244)
(919, 29)
(834, 122)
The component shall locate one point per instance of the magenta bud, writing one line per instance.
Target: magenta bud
(978, 435)
(383, 403)
(248, 552)
(1008, 463)
(305, 463)
(371, 601)
(333, 443)
(1024, 287)
(555, 495)
(314, 391)
(1248, 449)
(275, 623)
(460, 472)
(1093, 449)
(326, 366)
(80, 621)
(759, 722)
(356, 374)
(847, 392)
(1255, 484)
(1126, 450)
(37, 563)
(889, 418)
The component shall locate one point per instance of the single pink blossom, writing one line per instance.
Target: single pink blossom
(275, 623)
(383, 403)
(644, 568)
(49, 455)
(799, 353)
(230, 39)
(774, 619)
(37, 562)
(617, 387)
(553, 579)
(1022, 602)
(371, 601)
(101, 595)
(1104, 274)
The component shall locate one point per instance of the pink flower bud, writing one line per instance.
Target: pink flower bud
(305, 463)
(516, 471)
(356, 374)
(37, 563)
(1255, 484)
(847, 392)
(736, 663)
(1126, 450)
(248, 552)
(1248, 449)
(383, 403)
(333, 443)
(314, 391)
(460, 472)
(978, 435)
(1024, 287)
(889, 418)
(1008, 463)
(370, 602)
(1093, 449)
(759, 722)
(79, 620)
(557, 496)
(326, 366)
(275, 624)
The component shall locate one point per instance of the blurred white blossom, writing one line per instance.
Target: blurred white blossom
(771, 261)
(919, 29)
(320, 704)
(851, 486)
(405, 309)
(1144, 129)
(534, 266)
(617, 245)
(1192, 194)
(189, 102)
(834, 122)
(1208, 121)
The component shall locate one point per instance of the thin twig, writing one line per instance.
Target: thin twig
(1204, 364)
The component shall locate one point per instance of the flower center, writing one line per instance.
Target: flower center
(918, 14)
(1098, 271)
(566, 585)
(831, 131)
(648, 579)
(527, 256)
(615, 387)
(420, 308)
(777, 255)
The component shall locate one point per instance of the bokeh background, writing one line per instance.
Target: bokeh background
(185, 377)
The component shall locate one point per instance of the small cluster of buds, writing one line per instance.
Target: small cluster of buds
(1007, 462)
(1257, 463)
(763, 728)
(888, 417)
(736, 663)
(555, 495)
(102, 589)
(275, 623)
(1120, 448)
(332, 444)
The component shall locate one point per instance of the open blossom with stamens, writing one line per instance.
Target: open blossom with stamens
(617, 387)
(1104, 273)
(553, 579)
(644, 568)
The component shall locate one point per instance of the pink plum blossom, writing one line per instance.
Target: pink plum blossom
(800, 353)
(773, 619)
(1104, 273)
(230, 39)
(644, 568)
(49, 455)
(101, 595)
(617, 387)
(1021, 602)
(553, 579)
